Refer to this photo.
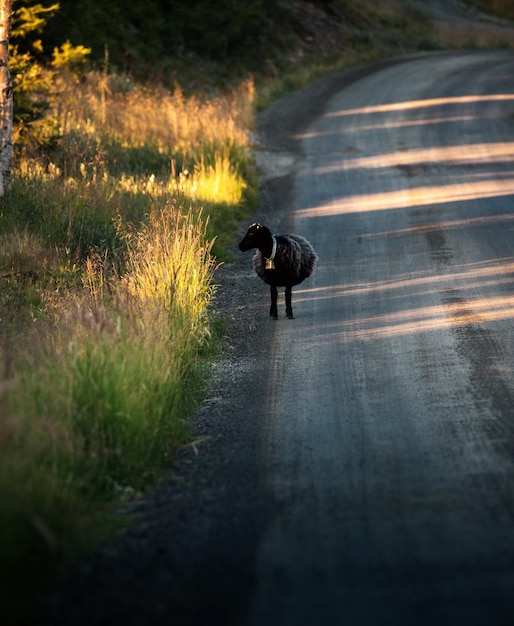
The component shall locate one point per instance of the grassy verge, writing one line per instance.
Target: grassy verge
(97, 409)
(108, 245)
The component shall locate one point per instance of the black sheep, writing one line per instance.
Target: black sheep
(280, 260)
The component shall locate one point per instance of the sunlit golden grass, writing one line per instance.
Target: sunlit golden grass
(169, 261)
(176, 125)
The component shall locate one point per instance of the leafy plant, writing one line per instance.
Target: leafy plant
(32, 76)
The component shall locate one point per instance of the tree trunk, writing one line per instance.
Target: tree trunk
(6, 98)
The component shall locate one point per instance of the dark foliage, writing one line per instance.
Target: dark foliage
(136, 32)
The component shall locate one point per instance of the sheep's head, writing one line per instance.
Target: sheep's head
(256, 236)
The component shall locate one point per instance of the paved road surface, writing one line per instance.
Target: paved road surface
(389, 423)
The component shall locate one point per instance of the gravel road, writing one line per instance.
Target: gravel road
(388, 433)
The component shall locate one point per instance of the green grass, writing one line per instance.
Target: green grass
(98, 400)
(109, 240)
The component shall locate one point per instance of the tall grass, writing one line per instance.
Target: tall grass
(100, 410)
(170, 129)
(109, 241)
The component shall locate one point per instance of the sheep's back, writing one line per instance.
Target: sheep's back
(308, 256)
(294, 261)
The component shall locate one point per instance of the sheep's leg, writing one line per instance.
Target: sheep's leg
(273, 309)
(289, 307)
